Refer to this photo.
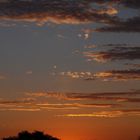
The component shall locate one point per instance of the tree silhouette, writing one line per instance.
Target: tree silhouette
(36, 135)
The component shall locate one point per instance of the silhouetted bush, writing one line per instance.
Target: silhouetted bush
(37, 135)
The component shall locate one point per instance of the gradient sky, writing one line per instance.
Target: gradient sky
(70, 68)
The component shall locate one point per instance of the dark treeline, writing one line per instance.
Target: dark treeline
(36, 135)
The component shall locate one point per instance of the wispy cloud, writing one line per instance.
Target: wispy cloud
(129, 96)
(29, 72)
(133, 65)
(107, 114)
(58, 95)
(118, 96)
(116, 53)
(75, 105)
(20, 109)
(77, 75)
(40, 101)
(129, 25)
(111, 75)
(39, 105)
(119, 75)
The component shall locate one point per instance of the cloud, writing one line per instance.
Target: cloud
(72, 12)
(107, 114)
(128, 25)
(126, 3)
(103, 114)
(77, 75)
(131, 3)
(56, 11)
(116, 96)
(117, 53)
(129, 96)
(112, 75)
(5, 24)
(23, 104)
(21, 109)
(39, 105)
(45, 94)
(74, 106)
(118, 75)
(133, 65)
(45, 101)
(29, 72)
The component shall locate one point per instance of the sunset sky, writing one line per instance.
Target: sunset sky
(70, 68)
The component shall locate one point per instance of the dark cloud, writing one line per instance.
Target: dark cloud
(72, 12)
(117, 53)
(127, 3)
(131, 3)
(116, 96)
(130, 96)
(129, 25)
(57, 11)
(117, 75)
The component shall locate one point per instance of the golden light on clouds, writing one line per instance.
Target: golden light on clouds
(93, 56)
(114, 52)
(58, 12)
(109, 11)
(107, 114)
(112, 75)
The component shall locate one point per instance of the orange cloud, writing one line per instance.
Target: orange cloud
(119, 75)
(107, 114)
(116, 52)
(112, 75)
(27, 104)
(44, 101)
(128, 96)
(58, 11)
